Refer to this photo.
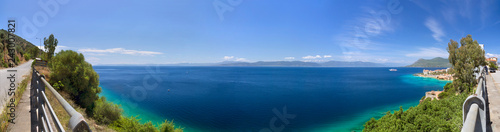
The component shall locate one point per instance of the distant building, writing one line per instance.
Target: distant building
(492, 59)
(482, 46)
(426, 72)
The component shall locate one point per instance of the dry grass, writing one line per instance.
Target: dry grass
(44, 71)
(64, 117)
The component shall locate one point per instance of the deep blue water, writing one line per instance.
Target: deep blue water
(243, 98)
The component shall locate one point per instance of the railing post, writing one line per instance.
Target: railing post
(39, 103)
(34, 86)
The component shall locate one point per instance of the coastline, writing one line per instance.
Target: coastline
(438, 77)
(354, 122)
(407, 105)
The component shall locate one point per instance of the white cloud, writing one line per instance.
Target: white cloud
(437, 31)
(488, 55)
(311, 57)
(429, 53)
(327, 56)
(232, 58)
(228, 57)
(120, 51)
(241, 59)
(289, 58)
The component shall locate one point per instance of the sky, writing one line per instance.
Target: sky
(395, 32)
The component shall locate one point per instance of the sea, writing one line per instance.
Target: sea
(263, 99)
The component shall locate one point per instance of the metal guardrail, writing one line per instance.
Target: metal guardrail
(475, 108)
(40, 104)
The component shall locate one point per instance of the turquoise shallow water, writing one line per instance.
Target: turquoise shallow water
(243, 98)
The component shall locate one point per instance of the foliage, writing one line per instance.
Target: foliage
(132, 124)
(27, 56)
(169, 126)
(50, 45)
(438, 115)
(464, 59)
(17, 60)
(106, 112)
(448, 90)
(78, 78)
(33, 51)
(492, 64)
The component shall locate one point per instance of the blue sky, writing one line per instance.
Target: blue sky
(205, 31)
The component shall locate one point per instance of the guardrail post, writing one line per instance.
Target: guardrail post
(34, 86)
(39, 103)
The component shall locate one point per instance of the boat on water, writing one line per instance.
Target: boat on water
(393, 69)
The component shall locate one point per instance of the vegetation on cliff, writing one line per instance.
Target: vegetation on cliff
(444, 114)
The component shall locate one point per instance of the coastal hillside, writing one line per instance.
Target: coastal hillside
(24, 49)
(435, 62)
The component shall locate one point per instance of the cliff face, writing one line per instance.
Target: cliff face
(24, 50)
(435, 62)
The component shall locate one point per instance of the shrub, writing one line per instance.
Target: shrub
(169, 126)
(106, 112)
(27, 56)
(17, 60)
(438, 115)
(132, 124)
(77, 77)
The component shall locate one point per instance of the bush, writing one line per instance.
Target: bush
(27, 56)
(132, 124)
(106, 112)
(17, 60)
(438, 115)
(77, 77)
(169, 126)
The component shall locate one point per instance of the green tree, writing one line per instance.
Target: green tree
(77, 77)
(492, 64)
(464, 59)
(34, 51)
(50, 45)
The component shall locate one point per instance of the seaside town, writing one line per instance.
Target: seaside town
(443, 74)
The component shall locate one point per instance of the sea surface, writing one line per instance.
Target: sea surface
(262, 98)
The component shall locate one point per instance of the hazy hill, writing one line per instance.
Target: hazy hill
(273, 63)
(435, 62)
(305, 64)
(351, 64)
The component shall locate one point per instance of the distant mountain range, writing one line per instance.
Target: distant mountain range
(305, 64)
(435, 62)
(279, 64)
